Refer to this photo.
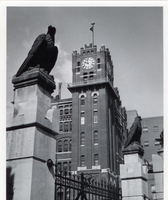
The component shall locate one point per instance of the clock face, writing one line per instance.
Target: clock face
(88, 63)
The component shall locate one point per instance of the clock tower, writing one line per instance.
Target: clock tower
(98, 120)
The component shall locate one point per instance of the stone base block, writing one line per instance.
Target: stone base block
(160, 196)
(134, 187)
(133, 170)
(133, 198)
(30, 142)
(29, 179)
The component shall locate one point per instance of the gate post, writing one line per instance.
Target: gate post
(31, 138)
(133, 174)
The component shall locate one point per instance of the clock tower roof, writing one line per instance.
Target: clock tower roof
(88, 49)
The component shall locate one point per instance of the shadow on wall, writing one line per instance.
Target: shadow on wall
(9, 184)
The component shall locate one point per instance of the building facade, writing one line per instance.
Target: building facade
(151, 130)
(92, 123)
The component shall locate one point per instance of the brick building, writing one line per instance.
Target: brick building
(93, 121)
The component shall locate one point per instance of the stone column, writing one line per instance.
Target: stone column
(133, 174)
(31, 138)
(158, 171)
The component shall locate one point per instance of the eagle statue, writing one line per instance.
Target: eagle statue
(135, 132)
(43, 53)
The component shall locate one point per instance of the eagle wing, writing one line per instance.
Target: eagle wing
(35, 47)
(131, 134)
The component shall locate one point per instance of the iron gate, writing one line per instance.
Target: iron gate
(77, 187)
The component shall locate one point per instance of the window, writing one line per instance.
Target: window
(69, 166)
(145, 129)
(70, 145)
(82, 118)
(60, 194)
(82, 100)
(85, 76)
(95, 99)
(61, 112)
(66, 111)
(95, 137)
(155, 128)
(77, 69)
(70, 125)
(59, 167)
(66, 145)
(96, 160)
(95, 116)
(98, 63)
(78, 63)
(65, 126)
(82, 160)
(61, 126)
(91, 75)
(60, 146)
(157, 143)
(65, 166)
(146, 143)
(82, 142)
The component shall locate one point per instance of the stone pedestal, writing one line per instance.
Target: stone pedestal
(157, 161)
(133, 174)
(31, 138)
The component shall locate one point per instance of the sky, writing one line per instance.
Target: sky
(134, 36)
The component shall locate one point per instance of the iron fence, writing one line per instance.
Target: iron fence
(70, 186)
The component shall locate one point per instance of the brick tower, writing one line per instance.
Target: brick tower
(98, 120)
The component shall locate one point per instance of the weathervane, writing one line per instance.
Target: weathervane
(92, 29)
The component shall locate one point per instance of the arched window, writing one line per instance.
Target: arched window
(60, 193)
(65, 167)
(59, 146)
(96, 160)
(82, 138)
(82, 100)
(82, 161)
(69, 166)
(95, 99)
(95, 137)
(59, 167)
(66, 145)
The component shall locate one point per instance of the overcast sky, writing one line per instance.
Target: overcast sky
(134, 36)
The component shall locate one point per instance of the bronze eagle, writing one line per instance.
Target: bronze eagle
(135, 132)
(43, 53)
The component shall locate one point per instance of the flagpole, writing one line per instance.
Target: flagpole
(93, 36)
(92, 29)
